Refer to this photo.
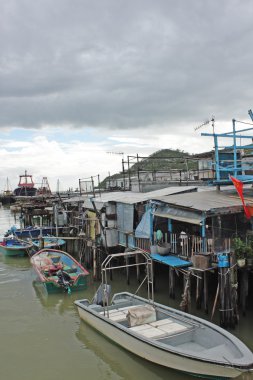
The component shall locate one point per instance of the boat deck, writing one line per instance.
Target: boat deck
(155, 330)
(182, 335)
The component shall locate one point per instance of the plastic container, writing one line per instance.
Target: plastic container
(223, 261)
(163, 248)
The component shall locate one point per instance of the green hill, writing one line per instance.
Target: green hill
(166, 159)
(162, 160)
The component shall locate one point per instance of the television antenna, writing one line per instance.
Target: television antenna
(206, 123)
(122, 153)
(117, 153)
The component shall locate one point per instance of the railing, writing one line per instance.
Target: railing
(188, 245)
(181, 244)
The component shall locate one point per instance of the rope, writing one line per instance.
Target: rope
(228, 271)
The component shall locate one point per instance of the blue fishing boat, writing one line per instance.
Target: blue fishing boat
(48, 242)
(15, 247)
(31, 231)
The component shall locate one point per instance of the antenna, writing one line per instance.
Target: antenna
(122, 153)
(201, 125)
(205, 123)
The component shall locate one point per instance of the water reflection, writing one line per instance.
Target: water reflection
(44, 334)
(20, 263)
(55, 303)
(124, 363)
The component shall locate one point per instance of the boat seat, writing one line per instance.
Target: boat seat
(161, 322)
(159, 329)
(115, 315)
(173, 328)
(148, 331)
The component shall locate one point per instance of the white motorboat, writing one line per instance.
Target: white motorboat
(164, 335)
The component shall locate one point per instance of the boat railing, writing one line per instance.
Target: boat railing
(107, 266)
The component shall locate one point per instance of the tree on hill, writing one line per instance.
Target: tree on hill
(162, 160)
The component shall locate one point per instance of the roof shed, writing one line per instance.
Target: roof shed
(192, 207)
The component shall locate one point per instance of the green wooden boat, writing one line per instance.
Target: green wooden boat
(15, 247)
(59, 272)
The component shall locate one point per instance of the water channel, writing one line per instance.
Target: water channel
(42, 337)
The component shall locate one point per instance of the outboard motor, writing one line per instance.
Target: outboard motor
(64, 280)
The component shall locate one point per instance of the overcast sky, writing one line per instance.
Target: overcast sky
(82, 78)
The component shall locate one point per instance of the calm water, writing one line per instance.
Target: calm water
(43, 338)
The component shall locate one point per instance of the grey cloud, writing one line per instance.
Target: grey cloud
(124, 64)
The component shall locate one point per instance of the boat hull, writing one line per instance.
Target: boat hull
(50, 274)
(34, 232)
(49, 242)
(25, 191)
(52, 288)
(15, 250)
(7, 199)
(152, 351)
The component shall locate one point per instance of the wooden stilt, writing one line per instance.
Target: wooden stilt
(137, 260)
(94, 262)
(110, 272)
(172, 282)
(206, 291)
(244, 289)
(186, 299)
(226, 306)
(221, 272)
(234, 289)
(199, 292)
(127, 270)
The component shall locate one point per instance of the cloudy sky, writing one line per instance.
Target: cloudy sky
(81, 78)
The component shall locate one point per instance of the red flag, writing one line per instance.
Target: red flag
(239, 188)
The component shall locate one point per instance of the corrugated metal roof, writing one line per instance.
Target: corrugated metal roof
(188, 216)
(130, 197)
(205, 200)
